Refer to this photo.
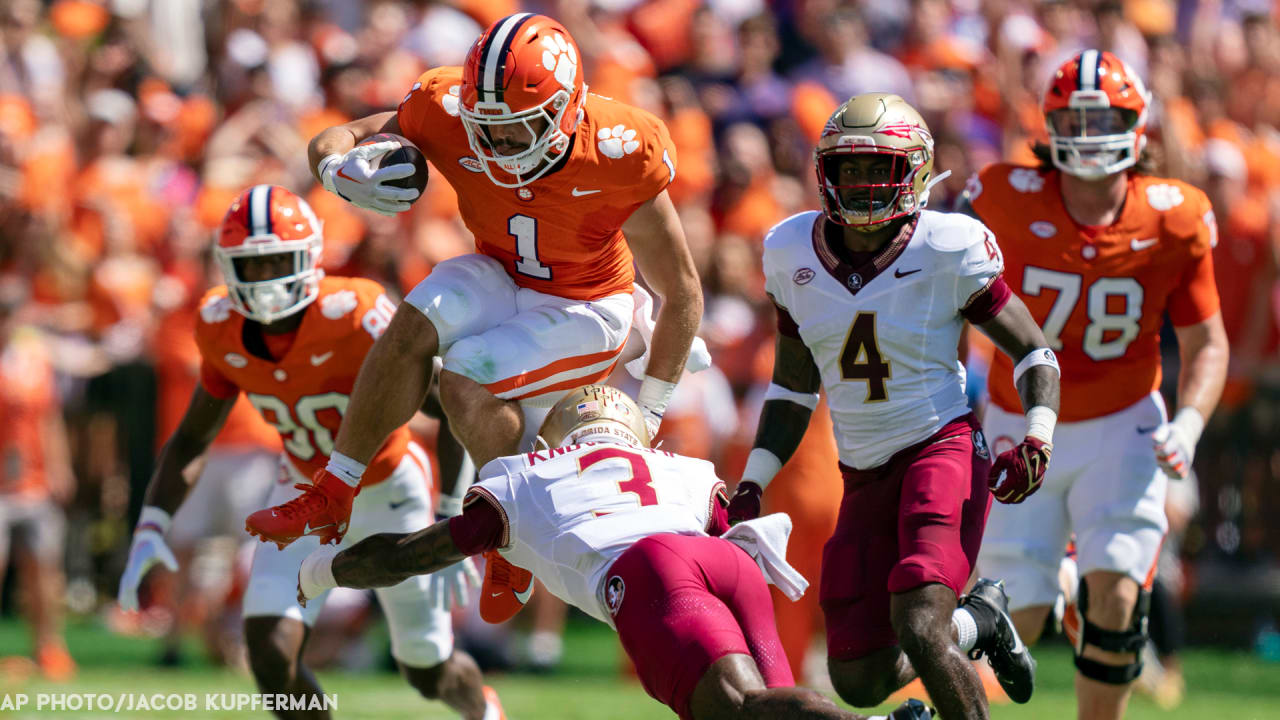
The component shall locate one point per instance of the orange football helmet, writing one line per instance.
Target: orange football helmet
(524, 69)
(1096, 113)
(270, 220)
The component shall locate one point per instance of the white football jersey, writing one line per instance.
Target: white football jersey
(569, 512)
(884, 336)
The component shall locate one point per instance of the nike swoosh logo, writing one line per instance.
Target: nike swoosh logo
(523, 597)
(398, 505)
(345, 176)
(1148, 431)
(1136, 244)
(579, 193)
(318, 360)
(495, 594)
(307, 529)
(899, 274)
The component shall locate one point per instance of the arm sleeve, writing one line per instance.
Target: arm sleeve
(215, 383)
(786, 324)
(1195, 299)
(481, 527)
(980, 266)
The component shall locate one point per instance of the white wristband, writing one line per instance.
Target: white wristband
(1191, 423)
(157, 518)
(316, 574)
(322, 170)
(1039, 356)
(448, 506)
(777, 392)
(1040, 423)
(655, 395)
(762, 466)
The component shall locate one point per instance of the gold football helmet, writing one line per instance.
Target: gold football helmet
(883, 125)
(593, 409)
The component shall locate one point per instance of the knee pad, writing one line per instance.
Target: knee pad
(1131, 640)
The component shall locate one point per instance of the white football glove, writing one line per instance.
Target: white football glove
(453, 586)
(148, 549)
(352, 178)
(1175, 443)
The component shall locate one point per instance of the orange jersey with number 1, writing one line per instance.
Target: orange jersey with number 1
(304, 394)
(561, 234)
(1099, 293)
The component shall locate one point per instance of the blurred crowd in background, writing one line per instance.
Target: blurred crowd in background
(127, 127)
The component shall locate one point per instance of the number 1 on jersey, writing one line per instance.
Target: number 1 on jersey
(525, 230)
(861, 360)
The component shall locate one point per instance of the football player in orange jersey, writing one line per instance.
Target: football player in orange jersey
(292, 340)
(1100, 251)
(562, 190)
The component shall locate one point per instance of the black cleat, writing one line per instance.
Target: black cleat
(1009, 657)
(913, 709)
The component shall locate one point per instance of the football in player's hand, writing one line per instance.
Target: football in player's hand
(406, 153)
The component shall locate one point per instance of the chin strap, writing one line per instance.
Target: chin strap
(928, 187)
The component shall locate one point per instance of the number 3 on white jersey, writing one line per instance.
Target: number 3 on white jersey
(1124, 325)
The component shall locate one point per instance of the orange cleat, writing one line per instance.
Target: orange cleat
(491, 699)
(323, 509)
(506, 589)
(55, 663)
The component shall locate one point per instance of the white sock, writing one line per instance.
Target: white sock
(491, 712)
(966, 629)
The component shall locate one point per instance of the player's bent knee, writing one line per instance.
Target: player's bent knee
(864, 682)
(1128, 641)
(721, 691)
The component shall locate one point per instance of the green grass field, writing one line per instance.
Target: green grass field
(1221, 686)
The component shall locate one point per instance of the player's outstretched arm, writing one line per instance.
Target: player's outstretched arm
(1015, 332)
(1017, 473)
(380, 560)
(657, 241)
(1203, 350)
(181, 462)
(788, 405)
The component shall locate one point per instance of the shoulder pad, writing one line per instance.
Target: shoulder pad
(950, 232)
(786, 232)
(215, 307)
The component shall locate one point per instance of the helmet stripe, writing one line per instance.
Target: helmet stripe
(495, 52)
(1087, 78)
(260, 210)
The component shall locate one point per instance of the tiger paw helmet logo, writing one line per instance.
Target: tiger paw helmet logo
(560, 58)
(617, 141)
(613, 592)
